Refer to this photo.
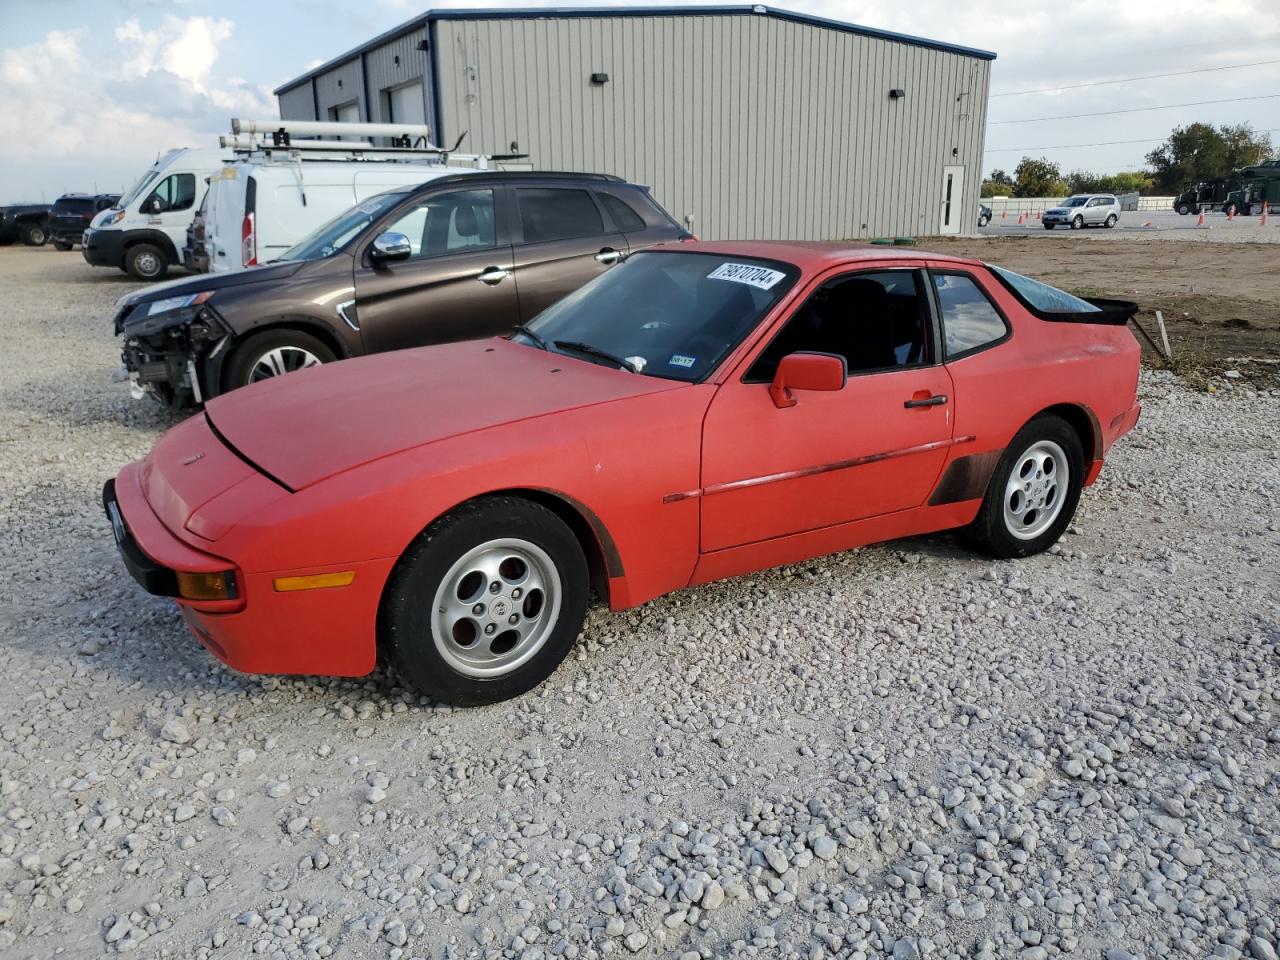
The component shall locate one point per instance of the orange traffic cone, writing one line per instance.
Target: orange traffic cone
(1022, 218)
(1003, 214)
(1265, 207)
(1200, 222)
(1231, 212)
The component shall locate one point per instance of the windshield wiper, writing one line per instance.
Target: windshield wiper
(537, 340)
(577, 346)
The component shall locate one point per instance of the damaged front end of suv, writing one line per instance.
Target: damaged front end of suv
(169, 343)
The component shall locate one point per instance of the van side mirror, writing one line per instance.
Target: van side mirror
(390, 246)
(155, 205)
(807, 371)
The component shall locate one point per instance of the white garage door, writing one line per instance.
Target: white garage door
(407, 104)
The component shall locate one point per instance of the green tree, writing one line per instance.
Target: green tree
(1082, 181)
(1038, 178)
(1129, 181)
(997, 184)
(1200, 151)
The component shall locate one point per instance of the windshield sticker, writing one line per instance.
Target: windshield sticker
(680, 360)
(753, 276)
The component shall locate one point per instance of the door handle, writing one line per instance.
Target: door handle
(937, 400)
(492, 275)
(608, 256)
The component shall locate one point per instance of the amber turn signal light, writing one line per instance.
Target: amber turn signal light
(207, 586)
(318, 581)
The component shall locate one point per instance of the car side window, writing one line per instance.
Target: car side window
(557, 213)
(969, 320)
(877, 321)
(175, 192)
(624, 218)
(454, 222)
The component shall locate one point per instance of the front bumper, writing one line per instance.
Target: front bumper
(103, 248)
(330, 632)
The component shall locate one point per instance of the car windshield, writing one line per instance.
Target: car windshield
(662, 313)
(1076, 201)
(328, 239)
(1041, 295)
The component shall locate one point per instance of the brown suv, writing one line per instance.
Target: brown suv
(456, 258)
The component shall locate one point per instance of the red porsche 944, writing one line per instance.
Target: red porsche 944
(699, 411)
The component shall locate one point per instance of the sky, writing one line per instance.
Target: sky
(93, 90)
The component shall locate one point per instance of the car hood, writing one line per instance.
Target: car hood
(315, 423)
(211, 281)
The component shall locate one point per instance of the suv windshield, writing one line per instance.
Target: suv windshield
(663, 314)
(1075, 201)
(328, 239)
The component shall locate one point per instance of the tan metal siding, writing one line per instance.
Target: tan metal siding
(384, 73)
(340, 85)
(298, 103)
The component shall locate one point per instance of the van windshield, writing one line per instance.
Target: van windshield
(328, 239)
(132, 193)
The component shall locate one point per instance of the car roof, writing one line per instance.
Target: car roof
(810, 255)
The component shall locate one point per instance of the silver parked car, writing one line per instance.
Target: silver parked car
(1084, 210)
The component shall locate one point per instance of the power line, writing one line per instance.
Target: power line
(1150, 76)
(1110, 113)
(1100, 143)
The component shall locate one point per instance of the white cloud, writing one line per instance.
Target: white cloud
(80, 110)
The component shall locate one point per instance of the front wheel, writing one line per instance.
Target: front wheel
(1183, 209)
(33, 235)
(1077, 223)
(1033, 493)
(146, 262)
(273, 354)
(486, 603)
(1048, 226)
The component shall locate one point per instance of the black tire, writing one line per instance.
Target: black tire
(34, 235)
(406, 634)
(1077, 223)
(1049, 226)
(240, 371)
(990, 531)
(62, 245)
(983, 221)
(146, 262)
(1183, 209)
(1111, 221)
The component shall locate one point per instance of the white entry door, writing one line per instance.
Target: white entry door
(952, 194)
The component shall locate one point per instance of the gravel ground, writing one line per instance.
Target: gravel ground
(903, 751)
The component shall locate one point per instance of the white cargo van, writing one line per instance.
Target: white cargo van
(145, 231)
(259, 207)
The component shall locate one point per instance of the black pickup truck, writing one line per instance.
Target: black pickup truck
(26, 222)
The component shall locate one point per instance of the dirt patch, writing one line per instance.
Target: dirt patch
(1221, 302)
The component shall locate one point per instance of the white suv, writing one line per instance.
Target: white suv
(1084, 210)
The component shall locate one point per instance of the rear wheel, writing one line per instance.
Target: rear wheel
(61, 244)
(486, 603)
(146, 262)
(1111, 221)
(273, 354)
(34, 235)
(1033, 493)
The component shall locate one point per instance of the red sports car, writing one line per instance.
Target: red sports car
(702, 410)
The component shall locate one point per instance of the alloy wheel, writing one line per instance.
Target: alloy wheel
(496, 607)
(281, 360)
(1036, 490)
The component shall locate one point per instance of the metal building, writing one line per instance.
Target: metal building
(748, 121)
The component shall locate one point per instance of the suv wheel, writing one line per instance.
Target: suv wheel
(1077, 223)
(61, 244)
(146, 262)
(1183, 209)
(273, 354)
(33, 235)
(1111, 221)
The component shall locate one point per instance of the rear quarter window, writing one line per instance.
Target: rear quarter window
(624, 218)
(1040, 295)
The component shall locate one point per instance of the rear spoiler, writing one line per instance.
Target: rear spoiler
(1115, 313)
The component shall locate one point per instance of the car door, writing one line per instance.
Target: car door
(456, 283)
(1097, 210)
(874, 447)
(561, 242)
